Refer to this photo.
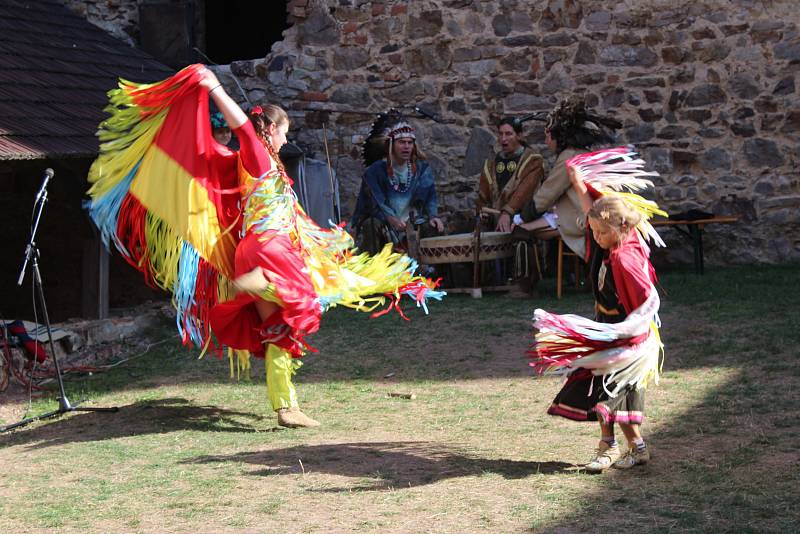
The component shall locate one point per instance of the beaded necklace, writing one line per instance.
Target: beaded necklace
(401, 179)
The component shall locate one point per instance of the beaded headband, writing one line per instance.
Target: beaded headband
(401, 130)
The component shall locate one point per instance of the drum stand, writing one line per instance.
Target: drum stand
(477, 289)
(32, 257)
(476, 292)
(412, 236)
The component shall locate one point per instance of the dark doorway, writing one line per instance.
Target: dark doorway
(171, 29)
(242, 29)
(61, 238)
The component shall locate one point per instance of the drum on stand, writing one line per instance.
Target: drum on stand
(458, 248)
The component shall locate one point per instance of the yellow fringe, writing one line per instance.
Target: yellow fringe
(164, 247)
(654, 373)
(360, 281)
(125, 138)
(239, 363)
(647, 208)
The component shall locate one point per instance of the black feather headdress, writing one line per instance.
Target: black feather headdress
(572, 125)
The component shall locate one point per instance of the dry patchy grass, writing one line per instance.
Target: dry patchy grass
(191, 451)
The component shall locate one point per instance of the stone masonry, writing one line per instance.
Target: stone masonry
(120, 18)
(705, 89)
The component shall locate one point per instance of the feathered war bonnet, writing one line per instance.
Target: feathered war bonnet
(387, 128)
(616, 171)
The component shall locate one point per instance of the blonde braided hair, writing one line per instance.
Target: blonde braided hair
(612, 210)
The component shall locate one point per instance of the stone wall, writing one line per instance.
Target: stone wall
(120, 18)
(705, 89)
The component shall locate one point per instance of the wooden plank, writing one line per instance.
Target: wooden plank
(671, 222)
(94, 280)
(470, 290)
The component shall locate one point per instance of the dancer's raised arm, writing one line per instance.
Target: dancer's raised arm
(580, 187)
(251, 149)
(233, 114)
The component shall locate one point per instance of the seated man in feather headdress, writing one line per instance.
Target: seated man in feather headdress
(395, 186)
(570, 130)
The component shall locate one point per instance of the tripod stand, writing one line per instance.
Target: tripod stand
(32, 257)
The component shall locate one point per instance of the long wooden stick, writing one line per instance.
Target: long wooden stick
(330, 173)
(476, 252)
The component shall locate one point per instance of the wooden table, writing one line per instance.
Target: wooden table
(694, 232)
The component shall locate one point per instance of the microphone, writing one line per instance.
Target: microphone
(426, 114)
(48, 173)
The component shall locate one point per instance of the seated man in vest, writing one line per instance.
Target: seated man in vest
(394, 187)
(509, 180)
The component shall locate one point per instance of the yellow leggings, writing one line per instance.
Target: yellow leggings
(280, 368)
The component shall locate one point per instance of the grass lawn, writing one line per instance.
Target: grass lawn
(192, 451)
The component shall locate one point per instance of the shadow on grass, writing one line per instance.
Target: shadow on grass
(148, 417)
(384, 465)
(469, 339)
(726, 462)
(466, 339)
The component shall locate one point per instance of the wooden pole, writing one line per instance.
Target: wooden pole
(330, 175)
(476, 256)
(94, 279)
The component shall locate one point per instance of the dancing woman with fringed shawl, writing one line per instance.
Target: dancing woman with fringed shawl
(608, 361)
(223, 230)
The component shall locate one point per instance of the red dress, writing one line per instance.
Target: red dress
(236, 322)
(621, 281)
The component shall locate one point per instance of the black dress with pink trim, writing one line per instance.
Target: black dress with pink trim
(583, 397)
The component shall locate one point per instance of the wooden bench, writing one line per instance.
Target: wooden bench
(694, 233)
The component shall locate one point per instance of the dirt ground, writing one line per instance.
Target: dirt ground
(190, 451)
(16, 398)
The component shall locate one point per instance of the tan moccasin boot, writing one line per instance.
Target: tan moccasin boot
(294, 418)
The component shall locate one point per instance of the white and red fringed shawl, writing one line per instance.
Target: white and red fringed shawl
(625, 353)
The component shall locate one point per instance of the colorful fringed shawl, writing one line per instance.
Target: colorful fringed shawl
(625, 353)
(167, 196)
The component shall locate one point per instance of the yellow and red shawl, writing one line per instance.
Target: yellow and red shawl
(167, 196)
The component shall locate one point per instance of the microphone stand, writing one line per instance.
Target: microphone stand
(32, 257)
